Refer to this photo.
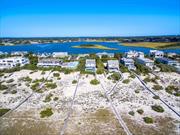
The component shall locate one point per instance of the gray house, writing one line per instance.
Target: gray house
(113, 65)
(90, 65)
(128, 62)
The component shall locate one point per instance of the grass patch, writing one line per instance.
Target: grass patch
(94, 82)
(102, 115)
(156, 97)
(157, 108)
(148, 120)
(3, 111)
(131, 113)
(51, 85)
(126, 81)
(157, 87)
(115, 76)
(56, 98)
(140, 111)
(173, 90)
(3, 87)
(46, 113)
(74, 81)
(94, 46)
(10, 81)
(56, 75)
(48, 98)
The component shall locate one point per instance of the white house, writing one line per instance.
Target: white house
(70, 65)
(59, 54)
(131, 54)
(113, 65)
(90, 65)
(7, 63)
(128, 62)
(146, 62)
(110, 55)
(156, 53)
(49, 62)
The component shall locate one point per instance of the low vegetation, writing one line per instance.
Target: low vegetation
(3, 87)
(94, 82)
(115, 76)
(126, 81)
(74, 81)
(51, 85)
(46, 113)
(3, 111)
(173, 90)
(48, 98)
(156, 97)
(140, 111)
(56, 75)
(157, 108)
(157, 87)
(131, 113)
(148, 120)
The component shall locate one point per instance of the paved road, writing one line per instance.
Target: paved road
(70, 109)
(145, 85)
(117, 114)
(10, 111)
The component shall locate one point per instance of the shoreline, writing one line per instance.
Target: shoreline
(154, 45)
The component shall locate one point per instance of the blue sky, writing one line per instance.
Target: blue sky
(39, 18)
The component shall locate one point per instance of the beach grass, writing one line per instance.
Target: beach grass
(94, 46)
(154, 45)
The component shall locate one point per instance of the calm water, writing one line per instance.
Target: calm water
(66, 47)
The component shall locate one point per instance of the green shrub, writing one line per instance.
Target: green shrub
(13, 92)
(74, 81)
(56, 98)
(43, 72)
(46, 113)
(156, 97)
(148, 120)
(56, 74)
(51, 85)
(140, 111)
(131, 113)
(94, 82)
(27, 79)
(132, 76)
(10, 81)
(157, 108)
(171, 89)
(157, 87)
(126, 81)
(100, 71)
(3, 87)
(48, 98)
(3, 111)
(136, 91)
(115, 76)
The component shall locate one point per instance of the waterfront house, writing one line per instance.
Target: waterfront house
(128, 62)
(7, 63)
(70, 65)
(171, 55)
(59, 54)
(113, 65)
(110, 55)
(90, 65)
(19, 53)
(140, 54)
(49, 62)
(131, 54)
(146, 62)
(167, 61)
(156, 53)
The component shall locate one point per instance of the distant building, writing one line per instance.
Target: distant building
(70, 65)
(49, 62)
(146, 62)
(90, 65)
(19, 53)
(59, 54)
(128, 62)
(167, 61)
(171, 55)
(156, 53)
(131, 54)
(113, 65)
(7, 63)
(110, 55)
(134, 54)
